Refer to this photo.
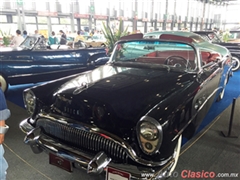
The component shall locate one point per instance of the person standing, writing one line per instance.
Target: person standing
(24, 34)
(63, 39)
(52, 39)
(36, 33)
(79, 37)
(18, 39)
(4, 115)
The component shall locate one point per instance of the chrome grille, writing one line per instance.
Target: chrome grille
(84, 140)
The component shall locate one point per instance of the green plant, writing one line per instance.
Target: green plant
(6, 38)
(113, 37)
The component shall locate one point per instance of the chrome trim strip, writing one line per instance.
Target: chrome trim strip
(45, 73)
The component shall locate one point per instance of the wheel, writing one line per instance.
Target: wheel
(176, 154)
(3, 83)
(177, 61)
(221, 95)
(236, 65)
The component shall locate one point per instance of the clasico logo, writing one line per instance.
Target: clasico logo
(198, 174)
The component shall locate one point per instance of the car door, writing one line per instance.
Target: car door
(17, 66)
(210, 78)
(52, 64)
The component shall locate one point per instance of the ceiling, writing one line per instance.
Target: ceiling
(223, 2)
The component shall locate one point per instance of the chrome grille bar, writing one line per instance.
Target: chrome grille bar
(83, 140)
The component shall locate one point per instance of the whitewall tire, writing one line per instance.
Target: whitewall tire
(3, 83)
(237, 64)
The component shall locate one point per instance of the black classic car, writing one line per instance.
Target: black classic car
(233, 47)
(34, 61)
(127, 117)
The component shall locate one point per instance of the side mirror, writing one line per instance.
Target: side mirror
(102, 60)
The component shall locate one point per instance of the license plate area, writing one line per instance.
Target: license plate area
(115, 174)
(60, 162)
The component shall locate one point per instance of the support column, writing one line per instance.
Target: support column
(203, 15)
(191, 23)
(19, 18)
(23, 19)
(135, 16)
(72, 18)
(90, 22)
(49, 21)
(155, 22)
(78, 24)
(196, 25)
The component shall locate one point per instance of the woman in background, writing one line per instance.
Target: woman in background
(63, 39)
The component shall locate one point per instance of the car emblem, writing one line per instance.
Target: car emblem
(84, 85)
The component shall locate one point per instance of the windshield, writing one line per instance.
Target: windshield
(156, 53)
(214, 38)
(29, 42)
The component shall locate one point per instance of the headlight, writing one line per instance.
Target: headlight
(29, 101)
(149, 133)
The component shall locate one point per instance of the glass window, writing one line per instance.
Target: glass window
(29, 19)
(65, 21)
(54, 21)
(42, 20)
(3, 18)
(15, 19)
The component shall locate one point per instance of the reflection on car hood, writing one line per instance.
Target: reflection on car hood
(116, 97)
(9, 49)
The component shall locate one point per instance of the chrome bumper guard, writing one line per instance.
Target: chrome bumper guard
(92, 164)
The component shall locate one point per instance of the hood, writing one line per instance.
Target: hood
(114, 97)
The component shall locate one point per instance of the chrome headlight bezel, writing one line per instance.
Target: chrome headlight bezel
(29, 101)
(152, 140)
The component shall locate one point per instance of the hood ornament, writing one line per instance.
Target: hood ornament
(82, 87)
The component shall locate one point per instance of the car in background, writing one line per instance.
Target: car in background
(234, 36)
(95, 41)
(127, 117)
(233, 47)
(34, 61)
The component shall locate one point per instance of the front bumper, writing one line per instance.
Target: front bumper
(82, 160)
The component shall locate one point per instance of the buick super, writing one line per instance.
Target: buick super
(127, 118)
